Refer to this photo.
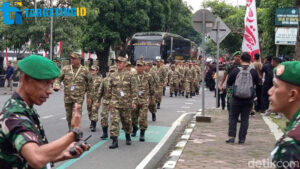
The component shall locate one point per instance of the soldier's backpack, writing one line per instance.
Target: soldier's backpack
(243, 85)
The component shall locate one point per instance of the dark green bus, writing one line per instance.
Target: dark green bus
(160, 45)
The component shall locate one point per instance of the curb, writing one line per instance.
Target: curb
(273, 127)
(176, 153)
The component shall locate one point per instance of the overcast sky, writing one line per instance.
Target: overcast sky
(196, 4)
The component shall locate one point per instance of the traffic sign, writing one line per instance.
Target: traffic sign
(203, 16)
(223, 31)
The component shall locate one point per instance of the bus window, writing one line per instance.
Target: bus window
(148, 52)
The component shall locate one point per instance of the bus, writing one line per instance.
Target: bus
(161, 45)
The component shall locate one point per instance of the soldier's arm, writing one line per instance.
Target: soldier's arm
(100, 92)
(60, 77)
(151, 86)
(134, 89)
(89, 85)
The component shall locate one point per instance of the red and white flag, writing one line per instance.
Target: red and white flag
(251, 41)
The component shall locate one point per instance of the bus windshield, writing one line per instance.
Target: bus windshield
(148, 52)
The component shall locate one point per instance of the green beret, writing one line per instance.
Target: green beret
(289, 72)
(236, 53)
(39, 67)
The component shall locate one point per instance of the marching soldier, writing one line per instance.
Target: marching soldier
(162, 74)
(102, 94)
(189, 77)
(152, 105)
(121, 86)
(93, 106)
(181, 80)
(284, 97)
(145, 92)
(76, 80)
(173, 79)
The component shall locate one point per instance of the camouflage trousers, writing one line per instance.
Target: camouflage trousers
(174, 87)
(181, 86)
(159, 93)
(140, 114)
(197, 85)
(93, 111)
(229, 93)
(152, 107)
(104, 115)
(117, 115)
(189, 87)
(69, 112)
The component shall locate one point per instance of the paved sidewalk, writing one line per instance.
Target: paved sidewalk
(206, 147)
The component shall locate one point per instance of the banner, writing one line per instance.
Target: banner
(250, 40)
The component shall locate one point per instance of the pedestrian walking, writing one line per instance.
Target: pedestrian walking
(8, 78)
(243, 79)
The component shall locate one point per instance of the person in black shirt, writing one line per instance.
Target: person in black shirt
(238, 105)
(267, 70)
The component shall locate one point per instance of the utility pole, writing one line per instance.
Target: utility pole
(51, 32)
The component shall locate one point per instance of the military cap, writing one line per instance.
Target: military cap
(148, 62)
(75, 55)
(122, 59)
(94, 67)
(128, 63)
(288, 72)
(172, 66)
(236, 53)
(140, 62)
(39, 67)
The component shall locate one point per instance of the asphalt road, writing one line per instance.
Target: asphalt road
(52, 115)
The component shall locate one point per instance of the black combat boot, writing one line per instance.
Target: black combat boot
(182, 93)
(114, 142)
(134, 130)
(142, 135)
(191, 95)
(91, 125)
(175, 93)
(164, 91)
(171, 94)
(187, 95)
(93, 128)
(153, 116)
(158, 105)
(104, 135)
(128, 139)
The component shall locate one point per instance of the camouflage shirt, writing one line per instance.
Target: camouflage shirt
(76, 83)
(102, 92)
(145, 87)
(189, 75)
(287, 149)
(94, 87)
(174, 77)
(162, 74)
(121, 87)
(19, 124)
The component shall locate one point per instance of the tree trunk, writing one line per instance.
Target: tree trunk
(102, 57)
(297, 52)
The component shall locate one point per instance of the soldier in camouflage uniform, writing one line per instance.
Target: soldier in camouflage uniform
(173, 80)
(228, 70)
(284, 97)
(151, 70)
(102, 94)
(22, 136)
(162, 74)
(189, 78)
(93, 106)
(180, 69)
(145, 92)
(76, 81)
(121, 86)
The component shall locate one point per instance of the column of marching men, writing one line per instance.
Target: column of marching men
(126, 94)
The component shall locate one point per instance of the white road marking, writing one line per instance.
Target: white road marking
(46, 117)
(170, 164)
(273, 127)
(180, 111)
(64, 118)
(185, 107)
(188, 103)
(155, 150)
